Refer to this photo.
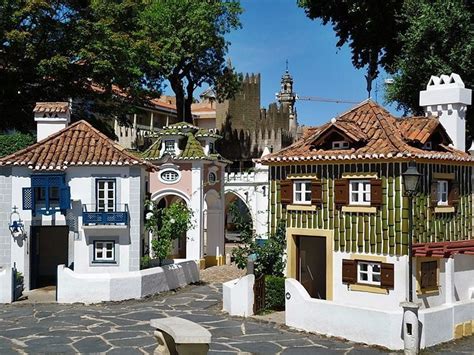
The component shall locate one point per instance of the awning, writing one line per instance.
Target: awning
(444, 249)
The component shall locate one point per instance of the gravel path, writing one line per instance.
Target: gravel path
(220, 274)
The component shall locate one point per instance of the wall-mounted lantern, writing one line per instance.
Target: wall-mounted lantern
(16, 226)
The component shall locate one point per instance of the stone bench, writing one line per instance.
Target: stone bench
(180, 336)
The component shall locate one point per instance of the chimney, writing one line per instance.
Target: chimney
(51, 117)
(447, 98)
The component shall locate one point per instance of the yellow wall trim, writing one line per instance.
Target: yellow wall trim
(428, 291)
(444, 176)
(302, 176)
(362, 209)
(368, 288)
(211, 260)
(380, 259)
(301, 208)
(291, 235)
(463, 329)
(444, 209)
(367, 175)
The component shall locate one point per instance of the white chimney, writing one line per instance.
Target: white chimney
(51, 117)
(447, 98)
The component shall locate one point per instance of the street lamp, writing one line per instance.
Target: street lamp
(411, 181)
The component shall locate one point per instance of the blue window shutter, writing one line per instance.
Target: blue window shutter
(65, 198)
(28, 198)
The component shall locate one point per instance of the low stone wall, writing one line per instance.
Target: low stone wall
(6, 284)
(238, 296)
(373, 326)
(94, 288)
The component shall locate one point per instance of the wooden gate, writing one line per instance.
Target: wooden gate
(259, 294)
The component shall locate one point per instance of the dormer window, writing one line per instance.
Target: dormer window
(211, 148)
(169, 147)
(340, 145)
(428, 145)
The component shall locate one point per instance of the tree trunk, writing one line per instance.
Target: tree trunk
(188, 102)
(177, 86)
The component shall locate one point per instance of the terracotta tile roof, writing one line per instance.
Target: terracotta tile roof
(79, 144)
(155, 103)
(419, 129)
(377, 135)
(51, 107)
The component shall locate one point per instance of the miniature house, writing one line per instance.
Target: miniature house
(79, 196)
(340, 191)
(189, 170)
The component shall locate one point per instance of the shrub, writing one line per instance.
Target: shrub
(145, 262)
(274, 293)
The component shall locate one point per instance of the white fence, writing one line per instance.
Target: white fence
(94, 288)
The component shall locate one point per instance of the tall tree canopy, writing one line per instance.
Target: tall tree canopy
(190, 46)
(410, 39)
(54, 50)
(60, 49)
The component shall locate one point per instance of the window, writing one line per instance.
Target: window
(168, 176)
(368, 273)
(211, 148)
(340, 145)
(443, 188)
(169, 146)
(428, 275)
(359, 192)
(105, 195)
(428, 145)
(104, 251)
(212, 178)
(302, 192)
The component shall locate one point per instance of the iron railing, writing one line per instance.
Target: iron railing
(91, 215)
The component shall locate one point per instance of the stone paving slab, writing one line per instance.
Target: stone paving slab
(123, 328)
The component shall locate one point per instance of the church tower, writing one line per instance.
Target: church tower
(287, 98)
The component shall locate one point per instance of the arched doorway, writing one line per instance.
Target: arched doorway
(179, 244)
(232, 234)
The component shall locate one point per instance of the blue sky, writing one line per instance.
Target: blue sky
(276, 30)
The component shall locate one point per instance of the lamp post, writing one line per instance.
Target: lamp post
(411, 182)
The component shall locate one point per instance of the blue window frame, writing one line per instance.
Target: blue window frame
(47, 195)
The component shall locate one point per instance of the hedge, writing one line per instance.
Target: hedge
(274, 293)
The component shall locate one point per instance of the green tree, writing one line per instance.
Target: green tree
(438, 39)
(167, 225)
(189, 46)
(54, 50)
(410, 39)
(10, 143)
(268, 256)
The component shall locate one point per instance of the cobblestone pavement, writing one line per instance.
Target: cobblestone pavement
(123, 328)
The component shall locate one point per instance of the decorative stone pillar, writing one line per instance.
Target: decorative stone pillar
(411, 329)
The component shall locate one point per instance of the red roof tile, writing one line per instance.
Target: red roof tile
(51, 107)
(80, 144)
(378, 135)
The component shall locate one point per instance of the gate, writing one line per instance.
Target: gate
(259, 294)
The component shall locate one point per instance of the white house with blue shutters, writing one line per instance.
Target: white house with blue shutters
(74, 198)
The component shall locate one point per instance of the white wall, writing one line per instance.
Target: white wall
(344, 295)
(256, 185)
(6, 284)
(365, 325)
(82, 183)
(238, 296)
(76, 287)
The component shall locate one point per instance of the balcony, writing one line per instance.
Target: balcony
(118, 218)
